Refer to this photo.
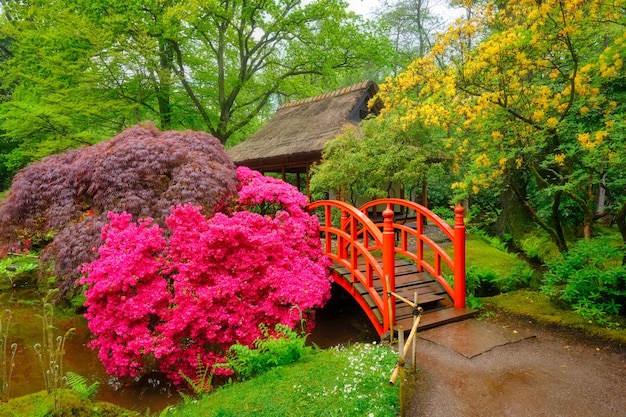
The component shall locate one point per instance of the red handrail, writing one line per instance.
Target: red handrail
(350, 237)
(348, 242)
(456, 236)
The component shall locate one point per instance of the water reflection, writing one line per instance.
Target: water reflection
(340, 322)
(26, 331)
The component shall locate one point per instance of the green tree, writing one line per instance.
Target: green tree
(82, 70)
(369, 162)
(55, 95)
(411, 27)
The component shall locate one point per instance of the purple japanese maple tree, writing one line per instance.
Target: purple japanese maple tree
(141, 171)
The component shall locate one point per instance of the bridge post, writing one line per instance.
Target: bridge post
(459, 258)
(389, 261)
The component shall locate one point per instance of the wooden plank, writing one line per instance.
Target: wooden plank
(438, 318)
(436, 303)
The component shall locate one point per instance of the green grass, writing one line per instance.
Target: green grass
(540, 309)
(63, 403)
(480, 253)
(352, 381)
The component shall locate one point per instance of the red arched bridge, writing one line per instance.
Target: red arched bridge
(391, 251)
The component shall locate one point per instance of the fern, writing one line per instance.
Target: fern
(201, 384)
(78, 383)
(280, 347)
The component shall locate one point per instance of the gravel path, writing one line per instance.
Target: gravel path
(551, 374)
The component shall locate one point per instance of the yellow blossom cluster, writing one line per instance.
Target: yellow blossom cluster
(506, 92)
(590, 142)
(559, 159)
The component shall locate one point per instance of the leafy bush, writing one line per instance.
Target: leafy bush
(481, 281)
(484, 281)
(520, 276)
(189, 294)
(446, 213)
(590, 278)
(64, 199)
(280, 347)
(17, 270)
(495, 241)
(538, 246)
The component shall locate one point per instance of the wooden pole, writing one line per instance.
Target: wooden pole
(389, 301)
(459, 258)
(389, 261)
(401, 370)
(414, 341)
(400, 364)
(404, 351)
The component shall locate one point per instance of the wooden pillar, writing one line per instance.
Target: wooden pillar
(459, 258)
(389, 261)
(308, 181)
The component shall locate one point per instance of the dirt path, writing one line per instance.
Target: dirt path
(549, 374)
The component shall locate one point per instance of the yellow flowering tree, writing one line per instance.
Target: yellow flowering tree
(532, 95)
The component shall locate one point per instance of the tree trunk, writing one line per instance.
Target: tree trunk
(165, 83)
(561, 243)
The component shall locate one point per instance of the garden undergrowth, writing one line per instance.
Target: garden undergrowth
(343, 381)
(538, 307)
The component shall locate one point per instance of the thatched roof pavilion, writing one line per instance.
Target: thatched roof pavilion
(294, 138)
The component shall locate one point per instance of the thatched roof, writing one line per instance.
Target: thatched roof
(295, 136)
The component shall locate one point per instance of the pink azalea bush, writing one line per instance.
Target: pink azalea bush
(168, 300)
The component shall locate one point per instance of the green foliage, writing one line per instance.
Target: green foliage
(480, 281)
(538, 245)
(494, 241)
(590, 278)
(540, 308)
(78, 383)
(341, 382)
(446, 213)
(365, 163)
(17, 270)
(77, 71)
(280, 347)
(201, 383)
(40, 404)
(484, 281)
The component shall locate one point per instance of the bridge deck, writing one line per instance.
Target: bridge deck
(437, 304)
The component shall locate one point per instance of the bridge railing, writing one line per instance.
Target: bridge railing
(349, 235)
(409, 229)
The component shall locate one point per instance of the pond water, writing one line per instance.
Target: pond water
(340, 322)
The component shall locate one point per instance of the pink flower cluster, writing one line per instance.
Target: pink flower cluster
(165, 302)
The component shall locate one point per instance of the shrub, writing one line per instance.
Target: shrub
(481, 281)
(484, 281)
(538, 245)
(189, 294)
(590, 278)
(281, 347)
(61, 202)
